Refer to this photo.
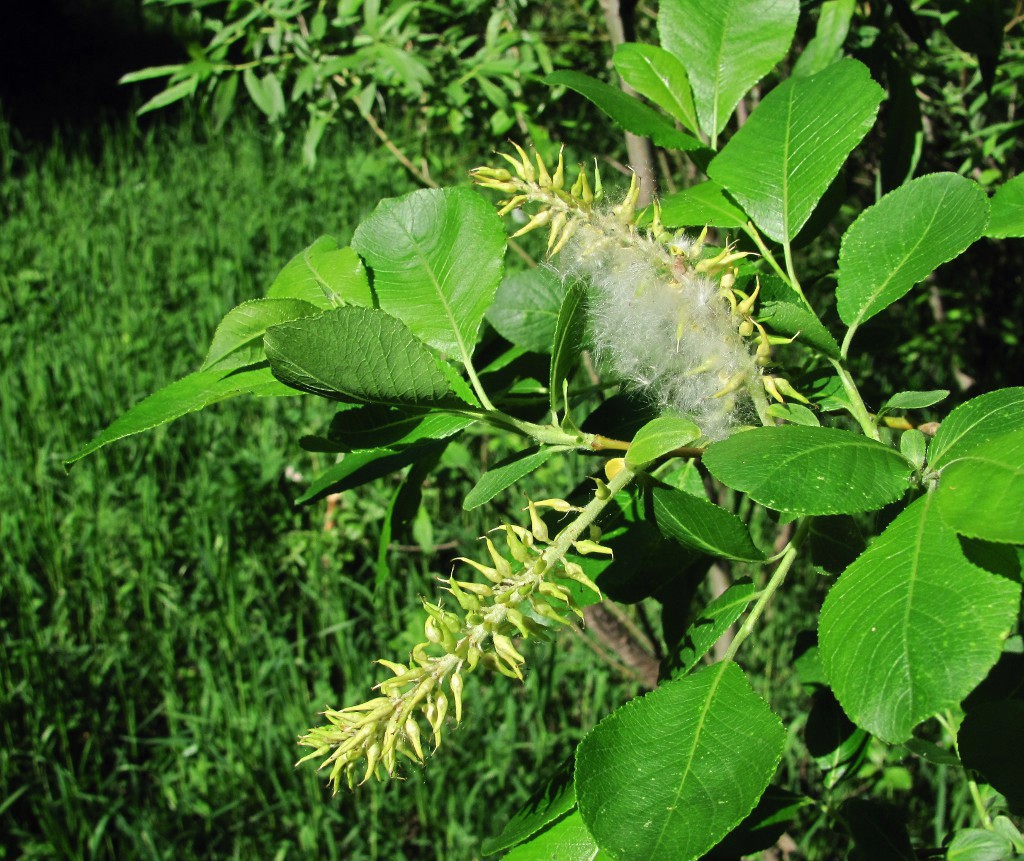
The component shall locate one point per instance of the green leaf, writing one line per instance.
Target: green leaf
(566, 839)
(781, 310)
(912, 626)
(1007, 219)
(913, 400)
(324, 275)
(174, 93)
(726, 47)
(266, 93)
(629, 112)
(975, 424)
(827, 44)
(508, 472)
(568, 341)
(238, 340)
(667, 776)
(781, 162)
(704, 203)
(360, 467)
(555, 798)
(149, 73)
(977, 844)
(658, 75)
(901, 239)
(700, 524)
(658, 437)
(981, 494)
(987, 741)
(525, 309)
(804, 470)
(187, 395)
(711, 623)
(361, 354)
(377, 426)
(436, 256)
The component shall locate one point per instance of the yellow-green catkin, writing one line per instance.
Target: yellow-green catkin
(520, 598)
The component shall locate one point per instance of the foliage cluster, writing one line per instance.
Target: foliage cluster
(167, 619)
(913, 531)
(453, 67)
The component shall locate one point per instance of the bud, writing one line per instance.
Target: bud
(412, 732)
(455, 683)
(613, 467)
(538, 526)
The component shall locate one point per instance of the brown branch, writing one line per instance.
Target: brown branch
(617, 637)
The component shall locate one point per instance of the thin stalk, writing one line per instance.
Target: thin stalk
(794, 282)
(844, 351)
(563, 541)
(474, 380)
(766, 253)
(782, 570)
(857, 407)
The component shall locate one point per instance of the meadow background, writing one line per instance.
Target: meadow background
(169, 621)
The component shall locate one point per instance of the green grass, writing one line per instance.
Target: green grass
(169, 623)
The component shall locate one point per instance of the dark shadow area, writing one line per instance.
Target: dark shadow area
(60, 61)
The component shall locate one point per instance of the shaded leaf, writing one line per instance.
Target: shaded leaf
(835, 541)
(837, 744)
(436, 256)
(702, 525)
(783, 312)
(766, 823)
(525, 309)
(377, 426)
(361, 467)
(805, 470)
(912, 626)
(879, 831)
(568, 341)
(360, 354)
(668, 775)
(901, 239)
(726, 47)
(643, 563)
(780, 163)
(711, 623)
